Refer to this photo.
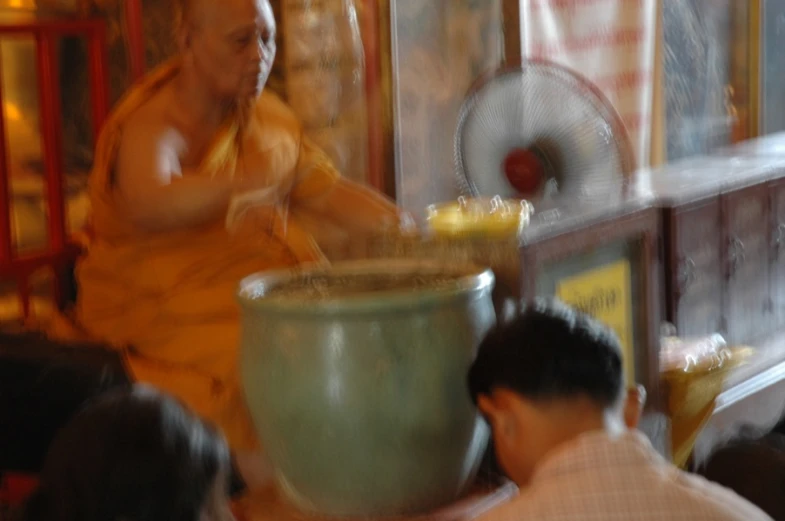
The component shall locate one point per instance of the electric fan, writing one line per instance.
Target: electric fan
(540, 131)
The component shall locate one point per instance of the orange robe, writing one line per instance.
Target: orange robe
(168, 299)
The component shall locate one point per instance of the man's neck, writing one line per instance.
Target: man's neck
(199, 105)
(565, 431)
(579, 418)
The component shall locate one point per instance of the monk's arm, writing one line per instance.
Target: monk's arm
(151, 184)
(356, 207)
(350, 205)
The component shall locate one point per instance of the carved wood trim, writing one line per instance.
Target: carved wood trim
(558, 245)
(643, 224)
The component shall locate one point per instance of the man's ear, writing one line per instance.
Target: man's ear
(498, 410)
(633, 406)
(487, 407)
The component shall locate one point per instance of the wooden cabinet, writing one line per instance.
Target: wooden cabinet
(722, 266)
(777, 255)
(746, 227)
(694, 273)
(617, 248)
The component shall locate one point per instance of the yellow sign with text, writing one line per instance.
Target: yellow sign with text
(605, 294)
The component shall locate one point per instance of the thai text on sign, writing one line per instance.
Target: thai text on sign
(605, 293)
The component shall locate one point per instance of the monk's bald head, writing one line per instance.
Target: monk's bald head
(194, 13)
(191, 12)
(227, 45)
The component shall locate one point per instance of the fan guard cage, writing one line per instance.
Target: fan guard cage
(569, 112)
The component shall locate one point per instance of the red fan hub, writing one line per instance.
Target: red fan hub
(524, 170)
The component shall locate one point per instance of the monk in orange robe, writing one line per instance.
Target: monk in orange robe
(159, 277)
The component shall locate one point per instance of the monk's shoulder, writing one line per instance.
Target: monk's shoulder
(150, 124)
(149, 147)
(271, 101)
(271, 108)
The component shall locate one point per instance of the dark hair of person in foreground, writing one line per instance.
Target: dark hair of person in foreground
(134, 456)
(754, 469)
(566, 354)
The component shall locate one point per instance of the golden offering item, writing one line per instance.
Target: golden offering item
(493, 217)
(694, 372)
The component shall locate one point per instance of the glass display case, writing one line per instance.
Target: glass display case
(438, 49)
(772, 60)
(710, 74)
(323, 68)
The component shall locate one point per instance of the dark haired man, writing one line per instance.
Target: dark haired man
(551, 384)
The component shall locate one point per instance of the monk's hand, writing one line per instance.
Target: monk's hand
(255, 183)
(252, 203)
(364, 243)
(394, 229)
(400, 224)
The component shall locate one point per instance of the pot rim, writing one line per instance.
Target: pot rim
(470, 279)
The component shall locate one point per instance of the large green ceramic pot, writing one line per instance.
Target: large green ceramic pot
(356, 380)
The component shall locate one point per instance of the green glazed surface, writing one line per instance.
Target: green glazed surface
(361, 402)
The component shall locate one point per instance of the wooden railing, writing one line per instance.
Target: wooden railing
(59, 252)
(134, 29)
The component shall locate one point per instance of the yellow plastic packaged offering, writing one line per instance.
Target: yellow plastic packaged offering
(694, 371)
(484, 217)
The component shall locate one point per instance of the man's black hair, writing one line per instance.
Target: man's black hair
(550, 351)
(138, 456)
